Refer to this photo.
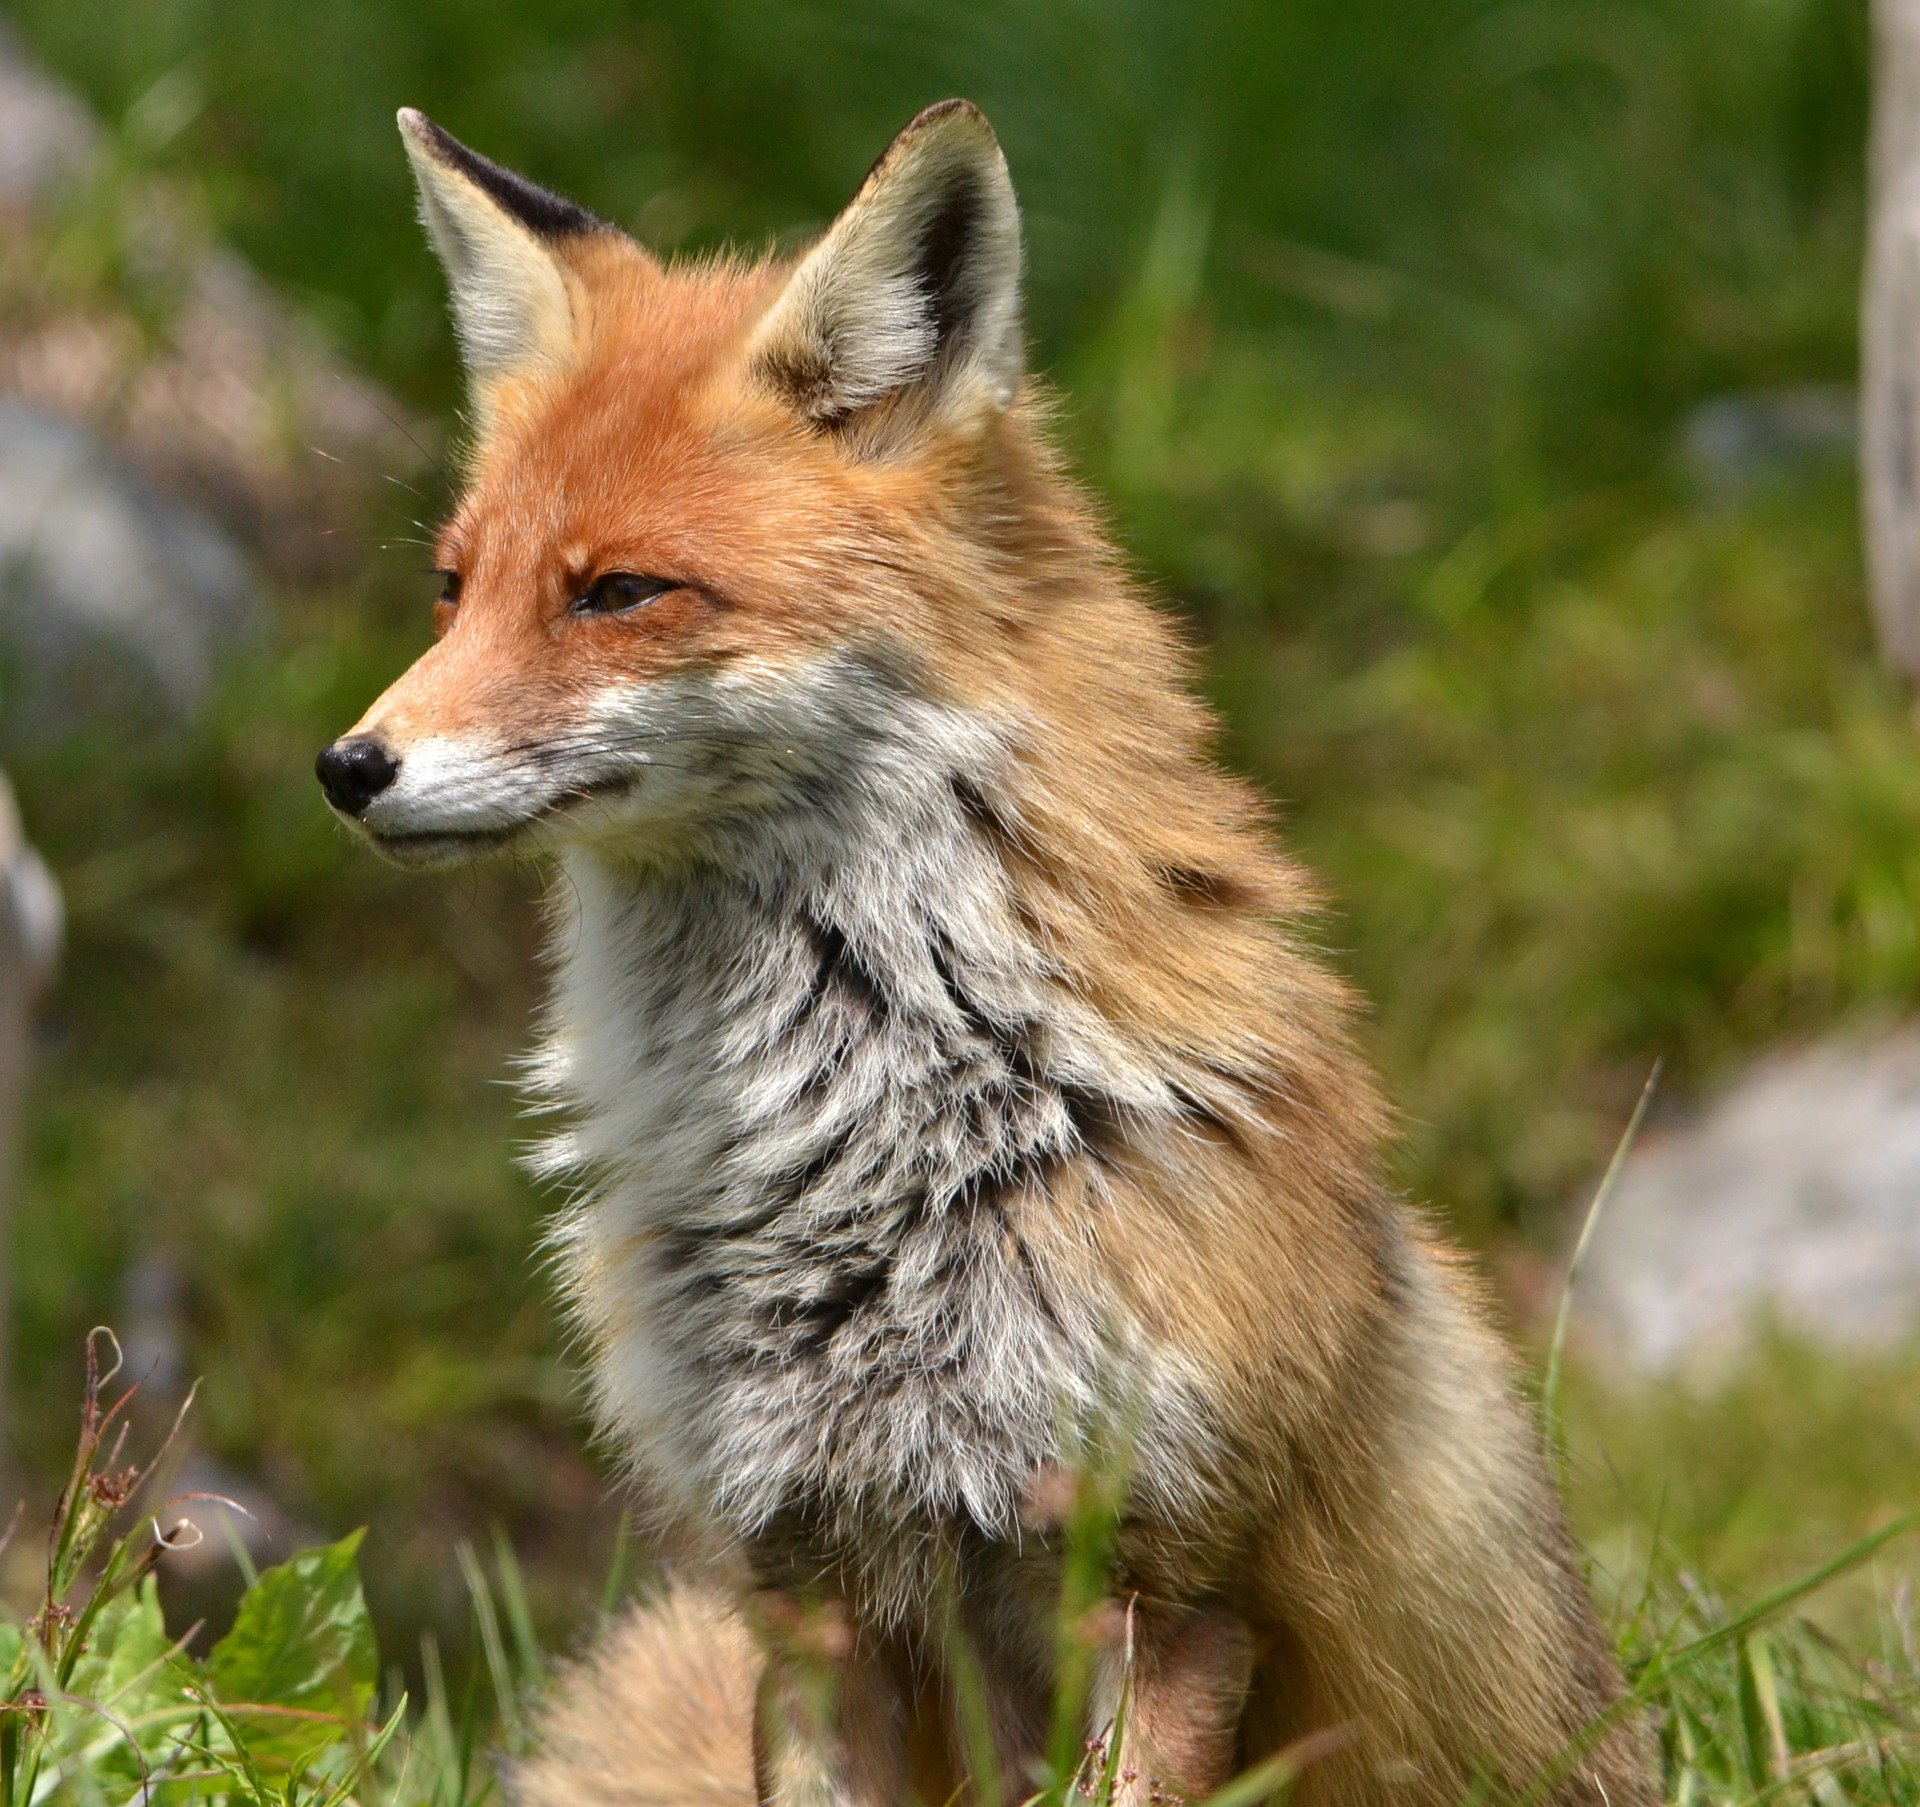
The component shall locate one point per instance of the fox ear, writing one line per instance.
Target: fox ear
(497, 236)
(913, 296)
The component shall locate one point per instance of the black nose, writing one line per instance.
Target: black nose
(354, 772)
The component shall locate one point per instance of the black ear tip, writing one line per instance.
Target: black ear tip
(948, 113)
(949, 129)
(420, 131)
(539, 209)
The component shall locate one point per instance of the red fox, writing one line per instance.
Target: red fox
(941, 1058)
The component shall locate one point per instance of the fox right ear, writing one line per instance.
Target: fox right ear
(497, 236)
(910, 305)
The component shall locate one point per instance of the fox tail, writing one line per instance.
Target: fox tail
(660, 1715)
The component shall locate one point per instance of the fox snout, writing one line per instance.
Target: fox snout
(434, 798)
(354, 771)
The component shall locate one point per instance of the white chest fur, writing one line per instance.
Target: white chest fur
(810, 1104)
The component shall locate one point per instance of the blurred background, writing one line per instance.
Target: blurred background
(1476, 378)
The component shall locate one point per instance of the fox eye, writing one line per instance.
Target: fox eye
(449, 596)
(619, 591)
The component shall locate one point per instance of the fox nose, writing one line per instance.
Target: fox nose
(353, 772)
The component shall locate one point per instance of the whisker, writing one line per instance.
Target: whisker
(404, 431)
(402, 483)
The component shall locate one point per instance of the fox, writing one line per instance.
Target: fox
(940, 1053)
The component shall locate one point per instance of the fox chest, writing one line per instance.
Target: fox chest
(807, 1281)
(897, 1365)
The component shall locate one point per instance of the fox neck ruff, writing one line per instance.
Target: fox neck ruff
(819, 1079)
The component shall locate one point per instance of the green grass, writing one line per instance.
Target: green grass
(1751, 1476)
(102, 1702)
(1380, 323)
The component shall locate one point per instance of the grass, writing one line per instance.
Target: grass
(103, 1703)
(1382, 324)
(1751, 1476)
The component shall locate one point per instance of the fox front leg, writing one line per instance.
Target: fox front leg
(830, 1717)
(1173, 1687)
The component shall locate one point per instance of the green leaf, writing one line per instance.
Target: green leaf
(132, 1683)
(298, 1670)
(130, 1646)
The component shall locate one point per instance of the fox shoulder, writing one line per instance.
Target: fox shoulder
(660, 1715)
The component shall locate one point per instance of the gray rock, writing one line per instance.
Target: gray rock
(201, 378)
(32, 912)
(46, 134)
(1737, 443)
(1795, 1197)
(110, 593)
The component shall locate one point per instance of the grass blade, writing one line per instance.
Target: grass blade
(1278, 1773)
(513, 1596)
(1769, 1605)
(615, 1589)
(1759, 1696)
(1550, 1386)
(487, 1617)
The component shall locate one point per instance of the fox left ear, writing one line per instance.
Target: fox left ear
(912, 299)
(499, 238)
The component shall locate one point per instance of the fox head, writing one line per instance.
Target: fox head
(725, 527)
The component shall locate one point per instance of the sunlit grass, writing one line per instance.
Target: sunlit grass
(103, 1703)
